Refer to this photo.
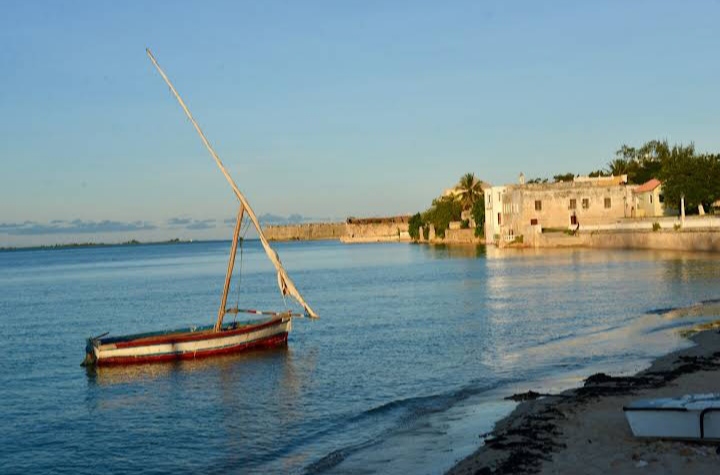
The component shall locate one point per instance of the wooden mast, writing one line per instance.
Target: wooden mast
(287, 286)
(231, 265)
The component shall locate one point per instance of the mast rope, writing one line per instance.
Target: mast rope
(239, 281)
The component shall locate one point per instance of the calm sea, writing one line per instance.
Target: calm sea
(408, 364)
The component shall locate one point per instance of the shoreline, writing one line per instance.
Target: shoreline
(583, 430)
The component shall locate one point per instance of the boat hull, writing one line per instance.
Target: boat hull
(690, 417)
(187, 344)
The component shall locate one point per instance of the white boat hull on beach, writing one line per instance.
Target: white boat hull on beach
(688, 417)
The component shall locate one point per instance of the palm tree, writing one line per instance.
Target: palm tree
(619, 166)
(469, 190)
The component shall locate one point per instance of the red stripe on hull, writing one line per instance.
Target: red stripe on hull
(273, 341)
(195, 336)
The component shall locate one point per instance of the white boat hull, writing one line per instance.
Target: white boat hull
(689, 417)
(188, 343)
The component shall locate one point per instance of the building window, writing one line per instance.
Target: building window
(538, 205)
(650, 199)
(585, 203)
(608, 203)
(573, 204)
(499, 219)
(533, 222)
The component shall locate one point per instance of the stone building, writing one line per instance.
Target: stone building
(516, 212)
(649, 199)
(493, 212)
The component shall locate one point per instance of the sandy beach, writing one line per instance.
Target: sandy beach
(584, 430)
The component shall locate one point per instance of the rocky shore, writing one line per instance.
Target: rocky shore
(584, 431)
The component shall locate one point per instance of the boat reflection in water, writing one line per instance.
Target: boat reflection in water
(124, 374)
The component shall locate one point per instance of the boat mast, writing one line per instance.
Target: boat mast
(287, 287)
(231, 265)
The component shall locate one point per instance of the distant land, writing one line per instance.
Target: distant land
(131, 242)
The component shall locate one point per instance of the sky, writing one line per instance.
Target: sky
(326, 109)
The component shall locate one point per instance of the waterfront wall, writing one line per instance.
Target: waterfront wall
(377, 232)
(346, 232)
(304, 232)
(460, 236)
(696, 233)
(680, 240)
(666, 240)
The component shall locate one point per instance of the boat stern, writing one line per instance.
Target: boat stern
(90, 352)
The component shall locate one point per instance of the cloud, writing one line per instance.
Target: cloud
(203, 224)
(78, 226)
(179, 221)
(190, 223)
(269, 218)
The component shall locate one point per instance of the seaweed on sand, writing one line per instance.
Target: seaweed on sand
(527, 441)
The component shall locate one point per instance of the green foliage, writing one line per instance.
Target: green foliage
(536, 181)
(696, 177)
(426, 232)
(442, 211)
(518, 239)
(478, 215)
(470, 190)
(677, 226)
(414, 226)
(597, 173)
(640, 164)
(681, 171)
(656, 226)
(563, 177)
(465, 224)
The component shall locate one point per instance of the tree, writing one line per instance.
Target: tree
(564, 177)
(640, 164)
(620, 166)
(694, 177)
(442, 211)
(478, 214)
(470, 189)
(414, 226)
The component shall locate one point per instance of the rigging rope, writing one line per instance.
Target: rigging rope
(239, 282)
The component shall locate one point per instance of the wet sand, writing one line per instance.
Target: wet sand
(584, 430)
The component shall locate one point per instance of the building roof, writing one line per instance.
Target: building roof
(648, 186)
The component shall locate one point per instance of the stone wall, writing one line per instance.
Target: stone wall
(680, 240)
(460, 236)
(375, 232)
(305, 232)
(666, 240)
(379, 232)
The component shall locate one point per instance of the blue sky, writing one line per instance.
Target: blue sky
(327, 109)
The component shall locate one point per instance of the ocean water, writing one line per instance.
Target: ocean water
(408, 364)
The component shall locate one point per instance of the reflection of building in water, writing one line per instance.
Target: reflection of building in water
(443, 251)
(526, 209)
(500, 293)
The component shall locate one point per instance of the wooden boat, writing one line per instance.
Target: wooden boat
(220, 338)
(695, 416)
